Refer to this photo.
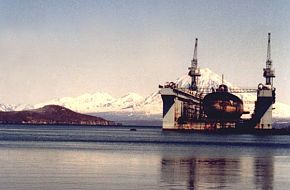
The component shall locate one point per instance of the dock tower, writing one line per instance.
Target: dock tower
(265, 94)
(181, 106)
(194, 71)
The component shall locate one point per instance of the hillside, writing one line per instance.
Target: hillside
(133, 106)
(51, 114)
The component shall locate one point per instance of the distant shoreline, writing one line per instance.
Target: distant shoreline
(84, 125)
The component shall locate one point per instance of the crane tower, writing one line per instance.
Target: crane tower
(268, 71)
(194, 71)
(266, 94)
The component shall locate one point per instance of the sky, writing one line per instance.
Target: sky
(52, 49)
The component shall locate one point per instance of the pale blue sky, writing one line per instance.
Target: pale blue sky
(60, 48)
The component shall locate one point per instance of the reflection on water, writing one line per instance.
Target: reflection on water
(61, 166)
(57, 158)
(217, 173)
(264, 173)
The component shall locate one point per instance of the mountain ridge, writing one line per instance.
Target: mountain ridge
(135, 106)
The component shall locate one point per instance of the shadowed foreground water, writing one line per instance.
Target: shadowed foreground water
(37, 161)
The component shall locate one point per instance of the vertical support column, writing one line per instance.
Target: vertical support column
(178, 120)
(266, 120)
(168, 112)
(265, 98)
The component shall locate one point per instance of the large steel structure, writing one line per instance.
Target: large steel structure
(192, 108)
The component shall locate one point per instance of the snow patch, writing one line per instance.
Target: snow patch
(135, 104)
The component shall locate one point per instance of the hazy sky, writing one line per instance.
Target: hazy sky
(60, 48)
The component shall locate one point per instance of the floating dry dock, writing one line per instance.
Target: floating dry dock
(218, 109)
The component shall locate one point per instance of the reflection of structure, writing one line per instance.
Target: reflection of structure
(264, 173)
(200, 172)
(217, 173)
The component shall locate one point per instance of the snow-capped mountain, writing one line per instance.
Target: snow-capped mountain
(98, 102)
(4, 107)
(16, 107)
(209, 79)
(135, 106)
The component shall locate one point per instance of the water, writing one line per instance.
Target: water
(61, 157)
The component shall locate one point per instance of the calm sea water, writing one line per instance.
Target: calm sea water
(62, 157)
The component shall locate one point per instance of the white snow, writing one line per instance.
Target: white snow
(133, 103)
(98, 102)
